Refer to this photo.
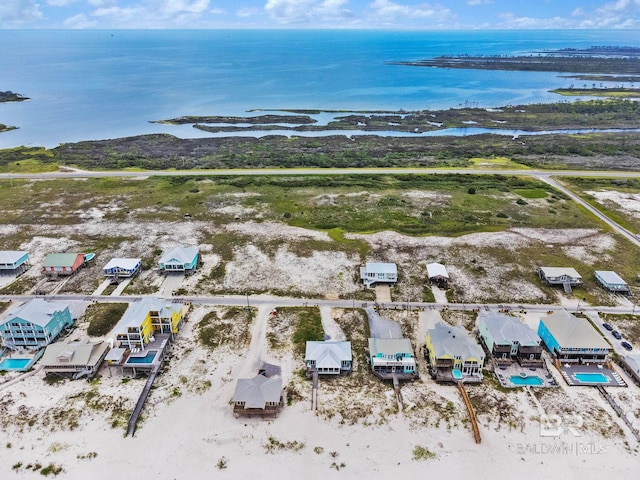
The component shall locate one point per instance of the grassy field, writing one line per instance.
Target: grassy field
(613, 210)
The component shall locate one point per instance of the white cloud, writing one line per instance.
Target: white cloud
(248, 12)
(479, 2)
(14, 13)
(307, 11)
(391, 10)
(60, 3)
(80, 21)
(172, 7)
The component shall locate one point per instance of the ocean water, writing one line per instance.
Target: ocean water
(87, 84)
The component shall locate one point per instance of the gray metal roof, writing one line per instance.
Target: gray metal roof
(11, 256)
(82, 353)
(257, 391)
(381, 267)
(552, 272)
(454, 341)
(179, 254)
(125, 263)
(436, 270)
(328, 354)
(36, 311)
(389, 346)
(137, 312)
(609, 277)
(573, 332)
(507, 329)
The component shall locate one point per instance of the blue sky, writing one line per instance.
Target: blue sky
(390, 14)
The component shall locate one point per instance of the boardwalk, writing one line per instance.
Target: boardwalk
(133, 420)
(472, 414)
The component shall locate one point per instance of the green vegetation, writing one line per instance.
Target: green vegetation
(582, 185)
(102, 317)
(228, 328)
(273, 445)
(51, 469)
(599, 92)
(307, 326)
(423, 453)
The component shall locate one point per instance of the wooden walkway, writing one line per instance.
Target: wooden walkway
(314, 390)
(133, 420)
(619, 411)
(472, 414)
(396, 388)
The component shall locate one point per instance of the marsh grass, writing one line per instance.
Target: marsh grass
(102, 317)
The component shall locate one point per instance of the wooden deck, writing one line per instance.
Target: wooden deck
(472, 414)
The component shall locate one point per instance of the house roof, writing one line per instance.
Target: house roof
(74, 353)
(447, 340)
(389, 346)
(633, 361)
(381, 267)
(573, 332)
(610, 278)
(436, 270)
(257, 391)
(559, 271)
(137, 312)
(61, 259)
(179, 254)
(11, 256)
(124, 263)
(36, 311)
(508, 329)
(328, 354)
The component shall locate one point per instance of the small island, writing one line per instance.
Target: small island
(10, 97)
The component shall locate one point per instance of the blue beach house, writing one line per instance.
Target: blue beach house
(13, 262)
(573, 340)
(180, 259)
(34, 324)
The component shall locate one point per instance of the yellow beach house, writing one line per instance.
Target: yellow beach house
(144, 319)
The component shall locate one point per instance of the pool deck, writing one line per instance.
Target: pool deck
(30, 357)
(505, 373)
(160, 344)
(613, 378)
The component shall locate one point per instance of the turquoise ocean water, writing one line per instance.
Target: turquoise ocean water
(88, 85)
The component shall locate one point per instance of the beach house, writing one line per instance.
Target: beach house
(438, 275)
(13, 262)
(259, 395)
(59, 264)
(145, 318)
(122, 268)
(571, 339)
(328, 358)
(34, 324)
(509, 340)
(453, 354)
(391, 357)
(612, 282)
(566, 277)
(373, 273)
(79, 358)
(179, 259)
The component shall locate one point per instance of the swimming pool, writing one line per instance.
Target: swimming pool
(148, 358)
(14, 363)
(529, 380)
(457, 374)
(591, 377)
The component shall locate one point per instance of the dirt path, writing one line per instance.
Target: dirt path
(329, 325)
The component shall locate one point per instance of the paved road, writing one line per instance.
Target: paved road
(618, 228)
(321, 171)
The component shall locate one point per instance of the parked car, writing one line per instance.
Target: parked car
(616, 334)
(627, 346)
(607, 326)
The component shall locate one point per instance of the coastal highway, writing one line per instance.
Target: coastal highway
(66, 172)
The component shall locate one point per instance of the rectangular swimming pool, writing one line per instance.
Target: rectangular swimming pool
(532, 380)
(14, 363)
(148, 358)
(457, 374)
(591, 377)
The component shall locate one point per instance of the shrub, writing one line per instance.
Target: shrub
(471, 191)
(103, 317)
